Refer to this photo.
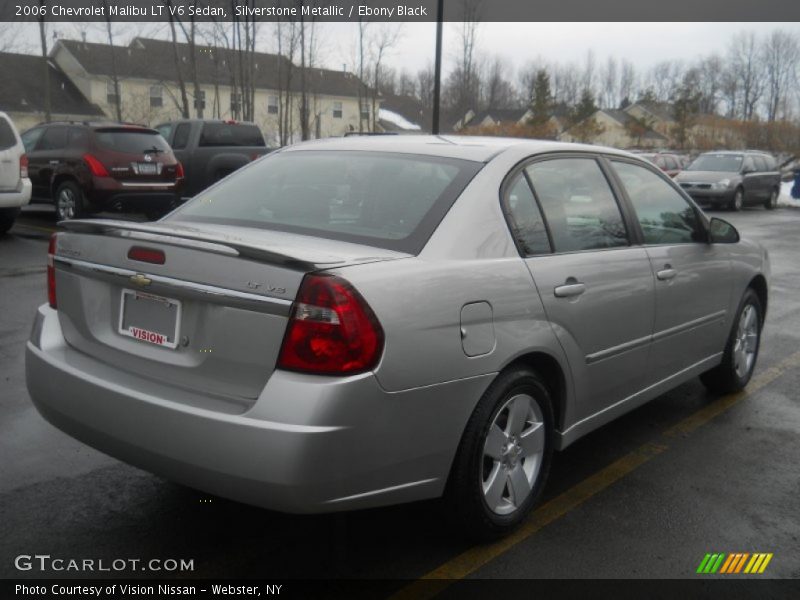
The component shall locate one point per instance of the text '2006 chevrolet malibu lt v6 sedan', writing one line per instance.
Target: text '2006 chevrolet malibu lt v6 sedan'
(366, 321)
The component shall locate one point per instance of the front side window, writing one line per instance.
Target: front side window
(382, 199)
(525, 218)
(578, 203)
(761, 163)
(181, 136)
(664, 215)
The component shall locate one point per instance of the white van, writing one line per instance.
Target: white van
(15, 187)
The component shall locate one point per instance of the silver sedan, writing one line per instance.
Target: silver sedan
(366, 321)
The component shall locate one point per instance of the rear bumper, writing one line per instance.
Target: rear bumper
(309, 444)
(107, 192)
(16, 198)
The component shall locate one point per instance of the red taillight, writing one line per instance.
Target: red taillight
(179, 170)
(51, 272)
(332, 330)
(95, 166)
(148, 255)
(23, 166)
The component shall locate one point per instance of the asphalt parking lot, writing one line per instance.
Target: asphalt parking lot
(644, 497)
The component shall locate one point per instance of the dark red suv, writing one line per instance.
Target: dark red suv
(89, 167)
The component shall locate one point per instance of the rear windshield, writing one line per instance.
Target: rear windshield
(131, 141)
(388, 200)
(726, 163)
(231, 134)
(7, 137)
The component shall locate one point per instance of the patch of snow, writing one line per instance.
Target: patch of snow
(785, 199)
(397, 120)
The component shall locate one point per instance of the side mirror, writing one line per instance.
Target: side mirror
(722, 232)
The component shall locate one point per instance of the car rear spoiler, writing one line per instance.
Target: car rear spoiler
(184, 236)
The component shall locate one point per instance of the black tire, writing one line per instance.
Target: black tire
(7, 218)
(724, 378)
(464, 503)
(70, 201)
(771, 203)
(737, 202)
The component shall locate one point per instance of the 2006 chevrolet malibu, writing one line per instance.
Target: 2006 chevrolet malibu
(366, 321)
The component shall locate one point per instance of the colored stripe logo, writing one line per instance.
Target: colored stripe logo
(736, 562)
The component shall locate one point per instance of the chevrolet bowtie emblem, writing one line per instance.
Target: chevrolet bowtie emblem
(140, 280)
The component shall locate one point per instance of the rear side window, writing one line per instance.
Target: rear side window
(525, 218)
(388, 200)
(230, 134)
(580, 208)
(131, 141)
(664, 215)
(54, 138)
(761, 164)
(30, 137)
(7, 137)
(78, 137)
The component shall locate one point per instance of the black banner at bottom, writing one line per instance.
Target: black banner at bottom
(617, 589)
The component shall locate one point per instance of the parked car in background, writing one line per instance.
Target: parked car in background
(95, 166)
(210, 150)
(15, 186)
(671, 164)
(733, 179)
(584, 280)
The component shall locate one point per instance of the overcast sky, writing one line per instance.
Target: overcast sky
(642, 43)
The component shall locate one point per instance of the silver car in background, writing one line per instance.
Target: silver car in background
(367, 321)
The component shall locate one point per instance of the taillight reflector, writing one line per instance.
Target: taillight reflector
(332, 330)
(148, 255)
(23, 166)
(95, 166)
(51, 272)
(179, 170)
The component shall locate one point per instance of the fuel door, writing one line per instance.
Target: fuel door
(477, 328)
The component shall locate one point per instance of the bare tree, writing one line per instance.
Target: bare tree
(780, 54)
(498, 91)
(746, 72)
(114, 73)
(184, 106)
(627, 81)
(384, 39)
(609, 81)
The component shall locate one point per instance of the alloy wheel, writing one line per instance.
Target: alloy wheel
(65, 204)
(745, 345)
(512, 454)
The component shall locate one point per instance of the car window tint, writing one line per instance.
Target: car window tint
(220, 133)
(131, 141)
(78, 137)
(55, 138)
(671, 163)
(164, 129)
(382, 199)
(7, 137)
(761, 164)
(748, 164)
(664, 215)
(525, 218)
(181, 136)
(578, 203)
(30, 137)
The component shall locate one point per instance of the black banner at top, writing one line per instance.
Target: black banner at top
(399, 10)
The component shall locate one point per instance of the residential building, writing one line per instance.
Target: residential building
(145, 73)
(22, 92)
(615, 128)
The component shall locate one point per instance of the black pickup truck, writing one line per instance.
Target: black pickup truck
(211, 149)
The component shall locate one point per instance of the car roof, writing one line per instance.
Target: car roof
(478, 149)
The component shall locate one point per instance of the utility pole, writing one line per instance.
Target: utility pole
(437, 77)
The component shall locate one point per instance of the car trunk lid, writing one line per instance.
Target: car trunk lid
(197, 306)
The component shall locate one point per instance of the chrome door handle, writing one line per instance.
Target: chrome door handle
(666, 274)
(569, 290)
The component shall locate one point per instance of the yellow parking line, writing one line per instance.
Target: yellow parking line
(466, 563)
